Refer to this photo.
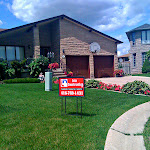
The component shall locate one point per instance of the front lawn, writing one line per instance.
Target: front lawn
(144, 75)
(146, 134)
(30, 118)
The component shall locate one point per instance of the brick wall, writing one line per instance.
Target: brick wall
(76, 40)
(138, 48)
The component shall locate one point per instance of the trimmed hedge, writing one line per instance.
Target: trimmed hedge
(22, 80)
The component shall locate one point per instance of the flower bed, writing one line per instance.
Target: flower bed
(136, 87)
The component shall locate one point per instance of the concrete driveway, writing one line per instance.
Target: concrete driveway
(123, 80)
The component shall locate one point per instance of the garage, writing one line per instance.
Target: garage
(103, 66)
(79, 65)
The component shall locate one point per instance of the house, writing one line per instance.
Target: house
(84, 50)
(124, 63)
(139, 39)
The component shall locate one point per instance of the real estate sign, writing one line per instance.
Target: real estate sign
(71, 86)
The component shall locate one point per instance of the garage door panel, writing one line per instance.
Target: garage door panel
(103, 66)
(79, 65)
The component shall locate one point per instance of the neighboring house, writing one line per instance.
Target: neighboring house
(124, 63)
(139, 39)
(84, 50)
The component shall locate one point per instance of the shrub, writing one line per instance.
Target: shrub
(54, 79)
(136, 87)
(53, 66)
(92, 84)
(119, 73)
(38, 65)
(10, 73)
(18, 66)
(3, 68)
(146, 66)
(22, 80)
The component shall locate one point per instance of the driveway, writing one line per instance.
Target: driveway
(123, 80)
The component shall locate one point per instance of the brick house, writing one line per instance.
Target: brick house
(69, 39)
(139, 39)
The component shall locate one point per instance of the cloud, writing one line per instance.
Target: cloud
(124, 47)
(1, 22)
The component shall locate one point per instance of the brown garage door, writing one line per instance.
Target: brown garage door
(103, 66)
(79, 65)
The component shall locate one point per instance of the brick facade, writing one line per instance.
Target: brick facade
(137, 48)
(75, 40)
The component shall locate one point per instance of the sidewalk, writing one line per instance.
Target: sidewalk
(125, 133)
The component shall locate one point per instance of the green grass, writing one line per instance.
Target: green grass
(146, 135)
(144, 75)
(30, 118)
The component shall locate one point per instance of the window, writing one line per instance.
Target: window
(2, 52)
(19, 53)
(143, 57)
(11, 53)
(145, 38)
(134, 59)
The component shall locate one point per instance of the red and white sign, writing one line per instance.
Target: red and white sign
(73, 86)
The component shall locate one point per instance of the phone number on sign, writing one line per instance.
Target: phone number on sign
(71, 93)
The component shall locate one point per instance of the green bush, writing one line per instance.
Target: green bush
(38, 65)
(54, 79)
(3, 68)
(10, 73)
(22, 80)
(92, 84)
(18, 66)
(136, 87)
(146, 66)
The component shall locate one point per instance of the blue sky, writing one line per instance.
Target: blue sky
(112, 17)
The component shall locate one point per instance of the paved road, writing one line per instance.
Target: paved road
(125, 133)
(123, 80)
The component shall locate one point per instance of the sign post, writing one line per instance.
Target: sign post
(71, 87)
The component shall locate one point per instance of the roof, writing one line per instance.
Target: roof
(60, 17)
(2, 29)
(142, 27)
(122, 56)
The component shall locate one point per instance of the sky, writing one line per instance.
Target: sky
(112, 17)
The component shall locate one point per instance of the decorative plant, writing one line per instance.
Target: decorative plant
(18, 66)
(69, 73)
(38, 65)
(10, 73)
(119, 73)
(146, 66)
(53, 66)
(92, 84)
(3, 68)
(136, 87)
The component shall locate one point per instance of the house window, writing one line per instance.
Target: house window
(19, 53)
(12, 53)
(143, 57)
(134, 59)
(133, 38)
(145, 38)
(2, 52)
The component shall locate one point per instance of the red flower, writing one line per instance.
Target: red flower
(56, 82)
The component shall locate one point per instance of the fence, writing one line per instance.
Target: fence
(125, 66)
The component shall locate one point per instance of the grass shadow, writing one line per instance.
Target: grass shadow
(6, 109)
(79, 114)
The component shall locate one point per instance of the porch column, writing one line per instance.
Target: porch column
(91, 63)
(36, 41)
